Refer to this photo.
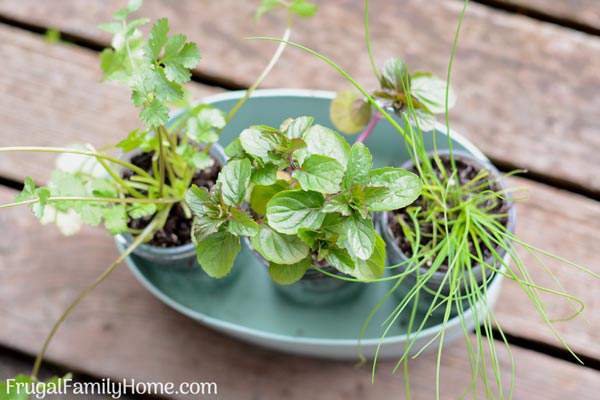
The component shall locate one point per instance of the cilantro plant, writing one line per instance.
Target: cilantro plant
(304, 197)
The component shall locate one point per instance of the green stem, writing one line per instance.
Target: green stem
(263, 75)
(161, 159)
(368, 41)
(124, 200)
(64, 150)
(138, 240)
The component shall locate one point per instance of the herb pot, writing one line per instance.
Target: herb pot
(436, 281)
(177, 258)
(314, 288)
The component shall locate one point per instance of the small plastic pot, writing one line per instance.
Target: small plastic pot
(396, 256)
(315, 288)
(179, 258)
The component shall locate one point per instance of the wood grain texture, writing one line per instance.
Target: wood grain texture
(528, 91)
(586, 12)
(122, 331)
(53, 96)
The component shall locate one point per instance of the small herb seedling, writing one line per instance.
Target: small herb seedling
(304, 198)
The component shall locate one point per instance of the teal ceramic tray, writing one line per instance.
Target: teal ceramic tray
(249, 306)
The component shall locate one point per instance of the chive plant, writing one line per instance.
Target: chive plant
(460, 219)
(91, 186)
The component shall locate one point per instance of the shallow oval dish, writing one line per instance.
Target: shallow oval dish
(250, 308)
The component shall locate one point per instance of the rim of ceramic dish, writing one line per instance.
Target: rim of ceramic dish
(230, 326)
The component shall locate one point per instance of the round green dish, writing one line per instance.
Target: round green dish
(250, 308)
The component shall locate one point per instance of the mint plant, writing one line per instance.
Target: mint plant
(304, 197)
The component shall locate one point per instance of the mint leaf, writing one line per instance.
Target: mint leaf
(326, 142)
(374, 267)
(203, 226)
(341, 260)
(279, 248)
(217, 252)
(359, 165)
(395, 76)
(288, 274)
(258, 143)
(262, 194)
(234, 149)
(234, 179)
(242, 224)
(294, 128)
(320, 173)
(265, 175)
(337, 204)
(291, 210)
(359, 237)
(197, 198)
(403, 188)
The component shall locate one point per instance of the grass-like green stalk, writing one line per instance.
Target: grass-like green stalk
(147, 232)
(118, 200)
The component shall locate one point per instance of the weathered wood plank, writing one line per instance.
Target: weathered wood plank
(529, 91)
(121, 331)
(52, 96)
(585, 12)
(37, 110)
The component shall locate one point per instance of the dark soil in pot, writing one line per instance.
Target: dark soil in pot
(467, 169)
(178, 227)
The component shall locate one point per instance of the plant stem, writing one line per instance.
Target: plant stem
(161, 159)
(138, 240)
(263, 75)
(124, 200)
(370, 127)
(64, 150)
(368, 41)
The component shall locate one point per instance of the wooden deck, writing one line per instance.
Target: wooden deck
(529, 95)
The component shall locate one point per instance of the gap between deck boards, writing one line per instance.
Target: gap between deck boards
(539, 15)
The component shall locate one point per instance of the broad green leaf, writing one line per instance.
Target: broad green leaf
(288, 274)
(235, 179)
(140, 210)
(359, 165)
(337, 204)
(341, 260)
(374, 267)
(217, 252)
(395, 76)
(308, 236)
(321, 174)
(257, 142)
(326, 142)
(431, 92)
(265, 175)
(242, 224)
(423, 119)
(201, 160)
(279, 248)
(294, 128)
(197, 198)
(291, 210)
(403, 188)
(359, 236)
(349, 112)
(204, 226)
(261, 195)
(234, 149)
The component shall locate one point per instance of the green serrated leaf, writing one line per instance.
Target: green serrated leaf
(141, 210)
(279, 248)
(337, 204)
(265, 175)
(258, 143)
(374, 267)
(359, 165)
(290, 273)
(234, 179)
(154, 114)
(294, 128)
(350, 112)
(431, 92)
(203, 226)
(341, 260)
(158, 37)
(403, 188)
(291, 210)
(242, 224)
(326, 142)
(321, 174)
(115, 219)
(261, 194)
(217, 252)
(359, 237)
(234, 149)
(308, 236)
(395, 76)
(197, 199)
